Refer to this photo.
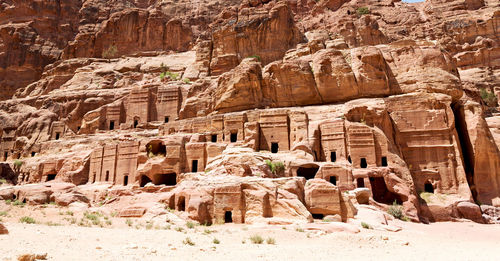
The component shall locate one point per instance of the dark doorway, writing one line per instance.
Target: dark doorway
(181, 204)
(165, 179)
(333, 156)
(380, 192)
(5, 156)
(166, 119)
(58, 135)
(333, 180)
(125, 180)
(228, 217)
(111, 125)
(107, 175)
(234, 137)
(136, 122)
(194, 166)
(144, 180)
(318, 216)
(214, 138)
(360, 182)
(274, 147)
(428, 187)
(33, 154)
(384, 161)
(349, 159)
(51, 177)
(307, 172)
(95, 176)
(363, 163)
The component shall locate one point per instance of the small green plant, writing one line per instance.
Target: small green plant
(270, 241)
(256, 239)
(3, 181)
(190, 225)
(489, 98)
(362, 11)
(110, 52)
(216, 241)
(129, 222)
(299, 229)
(366, 225)
(8, 202)
(17, 165)
(18, 203)
(188, 241)
(207, 232)
(186, 80)
(27, 220)
(53, 224)
(275, 167)
(179, 229)
(3, 213)
(91, 216)
(396, 211)
(255, 56)
(149, 226)
(162, 76)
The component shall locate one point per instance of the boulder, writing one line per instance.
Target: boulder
(470, 211)
(3, 230)
(322, 197)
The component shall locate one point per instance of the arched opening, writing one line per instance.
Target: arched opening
(234, 136)
(428, 187)
(144, 180)
(166, 119)
(349, 159)
(181, 204)
(384, 161)
(107, 175)
(111, 125)
(363, 163)
(228, 217)
(333, 156)
(308, 171)
(274, 147)
(380, 192)
(136, 122)
(360, 182)
(348, 12)
(51, 177)
(333, 180)
(125, 180)
(58, 134)
(214, 138)
(33, 154)
(165, 179)
(194, 166)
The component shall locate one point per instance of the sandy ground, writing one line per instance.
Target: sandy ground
(98, 234)
(438, 241)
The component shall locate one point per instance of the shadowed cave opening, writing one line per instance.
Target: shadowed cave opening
(169, 179)
(181, 204)
(144, 180)
(428, 187)
(234, 137)
(380, 192)
(360, 182)
(274, 147)
(318, 216)
(51, 177)
(228, 217)
(308, 172)
(333, 156)
(333, 180)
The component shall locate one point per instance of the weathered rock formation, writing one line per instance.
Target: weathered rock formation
(254, 111)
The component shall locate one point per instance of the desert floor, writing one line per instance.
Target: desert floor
(136, 239)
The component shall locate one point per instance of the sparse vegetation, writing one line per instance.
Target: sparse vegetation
(3, 213)
(186, 80)
(3, 181)
(275, 167)
(426, 196)
(299, 229)
(270, 241)
(171, 75)
(488, 97)
(188, 241)
(18, 203)
(190, 224)
(216, 241)
(366, 225)
(17, 165)
(362, 11)
(256, 239)
(110, 52)
(396, 211)
(255, 56)
(129, 222)
(27, 220)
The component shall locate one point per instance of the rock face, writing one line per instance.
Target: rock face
(254, 111)
(3, 230)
